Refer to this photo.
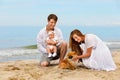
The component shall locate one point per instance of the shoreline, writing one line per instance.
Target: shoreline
(30, 52)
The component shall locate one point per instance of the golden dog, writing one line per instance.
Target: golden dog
(67, 63)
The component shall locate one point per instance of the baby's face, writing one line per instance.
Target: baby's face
(51, 35)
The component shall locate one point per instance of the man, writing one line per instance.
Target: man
(42, 45)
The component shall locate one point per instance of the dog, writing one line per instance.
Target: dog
(67, 63)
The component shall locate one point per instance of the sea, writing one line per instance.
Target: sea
(14, 38)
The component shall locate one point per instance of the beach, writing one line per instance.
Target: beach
(31, 70)
(22, 20)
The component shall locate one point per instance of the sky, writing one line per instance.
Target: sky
(69, 12)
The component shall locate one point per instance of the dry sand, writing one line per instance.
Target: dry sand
(30, 70)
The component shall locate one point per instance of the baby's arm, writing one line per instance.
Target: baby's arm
(51, 41)
(48, 41)
(56, 41)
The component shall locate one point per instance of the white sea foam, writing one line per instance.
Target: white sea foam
(113, 43)
(17, 52)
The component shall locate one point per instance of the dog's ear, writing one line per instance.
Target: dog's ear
(71, 54)
(74, 52)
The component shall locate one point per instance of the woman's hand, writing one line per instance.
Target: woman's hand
(75, 58)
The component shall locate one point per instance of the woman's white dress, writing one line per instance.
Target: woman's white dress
(101, 58)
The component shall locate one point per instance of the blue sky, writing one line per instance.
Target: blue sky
(69, 12)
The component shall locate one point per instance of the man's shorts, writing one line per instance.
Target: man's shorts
(44, 57)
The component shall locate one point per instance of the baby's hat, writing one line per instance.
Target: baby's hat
(51, 32)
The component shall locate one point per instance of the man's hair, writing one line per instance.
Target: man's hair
(52, 16)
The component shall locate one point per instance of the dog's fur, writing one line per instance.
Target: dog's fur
(67, 63)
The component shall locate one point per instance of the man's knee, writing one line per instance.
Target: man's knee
(64, 44)
(44, 64)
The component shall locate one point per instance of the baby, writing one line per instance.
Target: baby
(52, 48)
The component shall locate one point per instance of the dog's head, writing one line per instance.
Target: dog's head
(70, 55)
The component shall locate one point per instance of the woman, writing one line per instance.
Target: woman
(95, 54)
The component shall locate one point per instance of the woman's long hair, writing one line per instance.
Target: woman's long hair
(74, 45)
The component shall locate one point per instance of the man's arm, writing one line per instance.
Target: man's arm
(59, 35)
(40, 43)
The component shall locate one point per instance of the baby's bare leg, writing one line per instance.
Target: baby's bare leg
(54, 49)
(49, 52)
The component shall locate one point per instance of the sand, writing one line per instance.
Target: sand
(30, 70)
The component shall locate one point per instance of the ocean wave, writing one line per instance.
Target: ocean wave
(17, 52)
(113, 45)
